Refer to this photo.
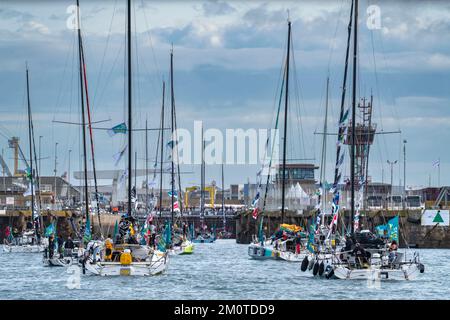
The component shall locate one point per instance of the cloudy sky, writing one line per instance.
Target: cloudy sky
(227, 57)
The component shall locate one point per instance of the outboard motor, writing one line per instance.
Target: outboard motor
(304, 265)
(321, 268)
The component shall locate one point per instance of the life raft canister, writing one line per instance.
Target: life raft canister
(304, 265)
(125, 257)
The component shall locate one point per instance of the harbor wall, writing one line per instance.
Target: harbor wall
(65, 218)
(411, 232)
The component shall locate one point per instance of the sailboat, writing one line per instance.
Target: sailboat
(204, 236)
(365, 256)
(30, 241)
(286, 244)
(123, 259)
(180, 244)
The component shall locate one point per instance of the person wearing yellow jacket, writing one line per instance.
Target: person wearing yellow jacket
(108, 248)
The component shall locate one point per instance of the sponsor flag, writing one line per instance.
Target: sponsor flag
(393, 229)
(437, 163)
(116, 230)
(172, 143)
(118, 156)
(50, 230)
(255, 213)
(87, 231)
(120, 128)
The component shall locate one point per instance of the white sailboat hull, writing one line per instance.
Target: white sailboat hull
(157, 264)
(26, 248)
(404, 272)
(58, 262)
(185, 248)
(291, 256)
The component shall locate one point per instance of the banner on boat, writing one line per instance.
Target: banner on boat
(435, 217)
(120, 128)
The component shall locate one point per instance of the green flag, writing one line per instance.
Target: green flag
(116, 229)
(87, 232)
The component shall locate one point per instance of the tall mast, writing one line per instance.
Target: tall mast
(31, 150)
(352, 164)
(223, 198)
(91, 135)
(324, 157)
(286, 102)
(130, 123)
(172, 108)
(146, 165)
(83, 117)
(162, 152)
(202, 179)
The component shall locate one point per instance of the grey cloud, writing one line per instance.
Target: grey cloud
(215, 7)
(15, 14)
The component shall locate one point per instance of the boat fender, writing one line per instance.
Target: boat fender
(421, 268)
(316, 268)
(304, 265)
(321, 268)
(311, 264)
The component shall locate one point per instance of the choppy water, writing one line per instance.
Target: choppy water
(216, 271)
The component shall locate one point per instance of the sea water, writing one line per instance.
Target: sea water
(221, 270)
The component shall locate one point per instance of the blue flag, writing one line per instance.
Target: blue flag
(310, 245)
(50, 230)
(87, 231)
(393, 229)
(120, 128)
(168, 234)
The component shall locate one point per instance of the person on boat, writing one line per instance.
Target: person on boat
(361, 256)
(297, 243)
(152, 229)
(51, 246)
(184, 229)
(68, 246)
(393, 251)
(108, 248)
(60, 245)
(15, 235)
(348, 243)
(36, 227)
